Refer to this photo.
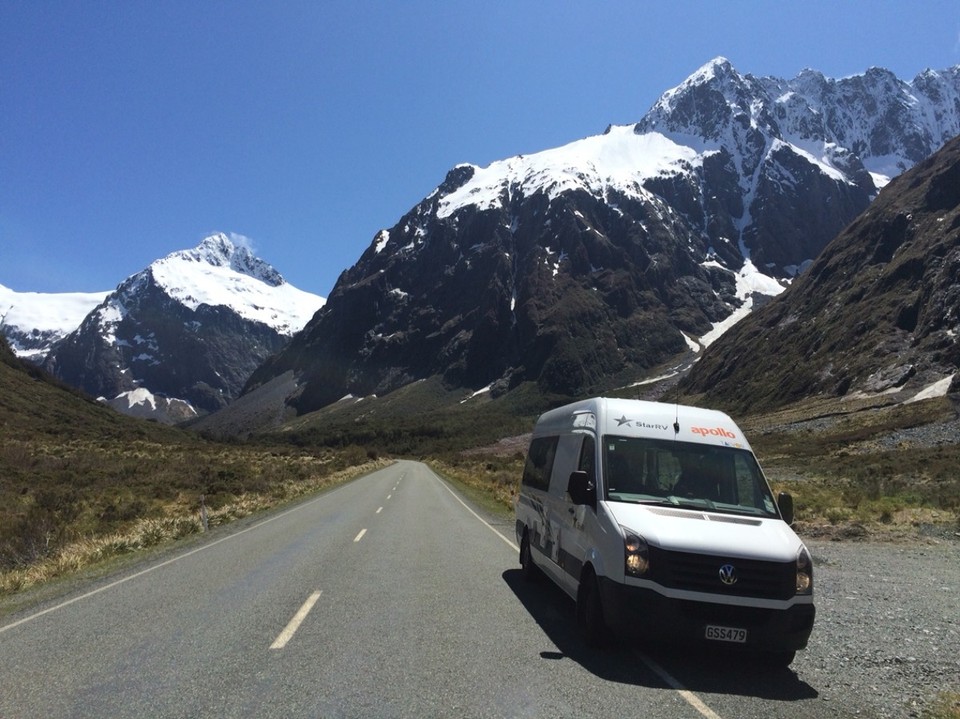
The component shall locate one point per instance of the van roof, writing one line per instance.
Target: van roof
(640, 418)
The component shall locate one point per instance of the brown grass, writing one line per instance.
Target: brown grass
(946, 705)
(177, 519)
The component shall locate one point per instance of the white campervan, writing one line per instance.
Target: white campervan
(658, 521)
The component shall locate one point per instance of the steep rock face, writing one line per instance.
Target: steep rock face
(586, 265)
(567, 292)
(879, 310)
(32, 343)
(191, 327)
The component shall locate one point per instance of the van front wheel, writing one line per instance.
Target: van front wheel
(779, 660)
(590, 620)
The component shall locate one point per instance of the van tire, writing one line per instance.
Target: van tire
(779, 660)
(528, 570)
(590, 621)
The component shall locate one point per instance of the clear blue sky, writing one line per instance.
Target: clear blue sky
(130, 129)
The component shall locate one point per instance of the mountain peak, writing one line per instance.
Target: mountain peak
(718, 74)
(224, 272)
(718, 67)
(219, 250)
(705, 104)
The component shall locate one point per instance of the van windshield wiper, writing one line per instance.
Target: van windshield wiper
(691, 503)
(719, 508)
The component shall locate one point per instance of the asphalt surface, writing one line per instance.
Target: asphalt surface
(392, 597)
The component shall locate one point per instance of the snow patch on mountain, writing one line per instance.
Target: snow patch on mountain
(141, 402)
(939, 388)
(33, 321)
(618, 159)
(139, 396)
(750, 282)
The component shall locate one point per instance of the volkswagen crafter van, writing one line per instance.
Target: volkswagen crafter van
(658, 521)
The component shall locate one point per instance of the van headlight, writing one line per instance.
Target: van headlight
(636, 554)
(804, 572)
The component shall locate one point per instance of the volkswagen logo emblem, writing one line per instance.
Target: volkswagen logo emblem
(728, 574)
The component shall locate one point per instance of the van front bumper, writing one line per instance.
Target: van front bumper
(643, 613)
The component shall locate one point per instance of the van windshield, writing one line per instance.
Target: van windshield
(685, 474)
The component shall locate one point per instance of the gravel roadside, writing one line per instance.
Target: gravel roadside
(887, 636)
(934, 434)
(886, 641)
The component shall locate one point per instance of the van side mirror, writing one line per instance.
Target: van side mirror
(582, 489)
(785, 502)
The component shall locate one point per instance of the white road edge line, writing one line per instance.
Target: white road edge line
(688, 696)
(481, 519)
(288, 631)
(360, 535)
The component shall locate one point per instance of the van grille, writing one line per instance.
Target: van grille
(701, 573)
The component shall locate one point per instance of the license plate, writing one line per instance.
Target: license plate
(726, 634)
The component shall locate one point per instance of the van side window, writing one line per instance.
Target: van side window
(588, 458)
(536, 472)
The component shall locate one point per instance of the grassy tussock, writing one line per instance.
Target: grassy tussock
(494, 481)
(844, 474)
(945, 706)
(182, 520)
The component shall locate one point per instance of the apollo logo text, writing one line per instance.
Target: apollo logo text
(713, 432)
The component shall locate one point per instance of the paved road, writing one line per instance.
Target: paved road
(387, 597)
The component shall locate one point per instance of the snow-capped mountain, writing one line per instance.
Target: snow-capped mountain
(589, 264)
(34, 321)
(182, 336)
(784, 143)
(886, 123)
